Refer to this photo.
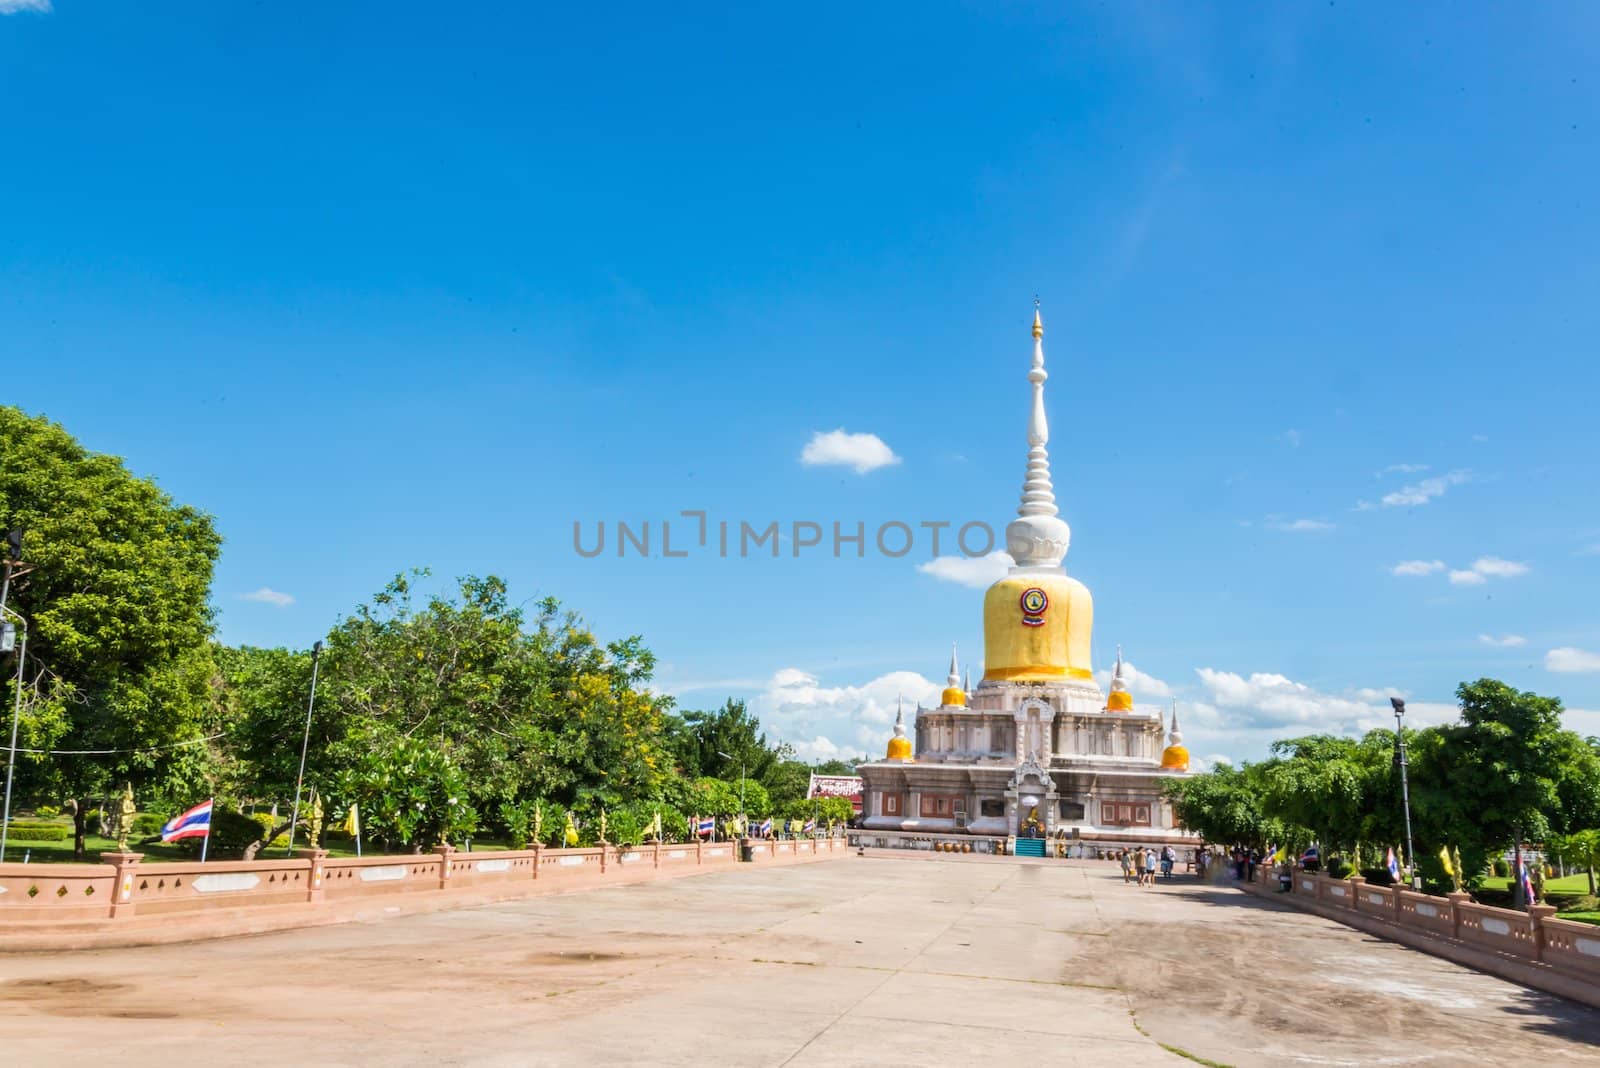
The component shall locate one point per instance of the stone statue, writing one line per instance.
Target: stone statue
(538, 824)
(1537, 875)
(313, 818)
(602, 826)
(570, 835)
(126, 810)
(1032, 827)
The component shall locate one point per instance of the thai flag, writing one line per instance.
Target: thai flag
(811, 826)
(195, 823)
(1393, 864)
(1310, 856)
(707, 825)
(766, 827)
(1526, 879)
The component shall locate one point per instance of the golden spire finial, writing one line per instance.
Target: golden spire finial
(1038, 325)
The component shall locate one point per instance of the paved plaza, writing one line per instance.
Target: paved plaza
(878, 960)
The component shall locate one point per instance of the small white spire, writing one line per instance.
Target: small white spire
(1038, 538)
(1118, 683)
(955, 674)
(899, 720)
(1175, 736)
(966, 687)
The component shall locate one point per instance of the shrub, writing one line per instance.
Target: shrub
(39, 832)
(46, 812)
(1500, 868)
(231, 833)
(1338, 867)
(146, 824)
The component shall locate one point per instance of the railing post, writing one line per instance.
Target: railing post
(602, 858)
(445, 850)
(699, 850)
(1356, 882)
(538, 850)
(1537, 914)
(122, 885)
(656, 855)
(1399, 912)
(313, 859)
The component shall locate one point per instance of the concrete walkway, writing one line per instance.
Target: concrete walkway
(881, 960)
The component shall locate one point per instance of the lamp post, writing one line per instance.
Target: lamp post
(7, 636)
(16, 715)
(1405, 788)
(305, 741)
(744, 830)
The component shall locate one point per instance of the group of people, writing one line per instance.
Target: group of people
(1141, 863)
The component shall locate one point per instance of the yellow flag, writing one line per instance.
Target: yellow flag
(352, 822)
(1444, 858)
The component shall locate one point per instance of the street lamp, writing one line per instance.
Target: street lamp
(1405, 788)
(305, 741)
(7, 640)
(743, 829)
(16, 715)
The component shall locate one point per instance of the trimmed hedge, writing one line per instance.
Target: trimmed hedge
(40, 832)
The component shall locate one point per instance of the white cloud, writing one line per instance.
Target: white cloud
(1139, 684)
(977, 572)
(1590, 550)
(1292, 437)
(1506, 641)
(1418, 567)
(1586, 721)
(852, 720)
(1424, 491)
(1570, 661)
(836, 448)
(1302, 525)
(11, 7)
(1482, 569)
(1497, 568)
(268, 595)
(1402, 469)
(1272, 703)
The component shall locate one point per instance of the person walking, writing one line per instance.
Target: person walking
(1126, 860)
(1149, 867)
(1168, 856)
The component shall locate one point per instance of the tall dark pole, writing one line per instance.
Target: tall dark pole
(13, 554)
(305, 741)
(1405, 788)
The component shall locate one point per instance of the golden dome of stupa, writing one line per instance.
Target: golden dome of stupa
(899, 745)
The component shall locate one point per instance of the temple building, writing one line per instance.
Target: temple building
(1036, 749)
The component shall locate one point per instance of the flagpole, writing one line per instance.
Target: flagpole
(205, 843)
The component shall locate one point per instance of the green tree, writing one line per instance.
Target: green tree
(726, 743)
(1226, 806)
(116, 595)
(1497, 776)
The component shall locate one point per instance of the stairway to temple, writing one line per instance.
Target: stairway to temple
(1030, 847)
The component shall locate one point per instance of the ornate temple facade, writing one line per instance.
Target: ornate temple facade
(1037, 748)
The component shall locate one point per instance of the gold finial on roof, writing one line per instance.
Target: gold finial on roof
(1038, 324)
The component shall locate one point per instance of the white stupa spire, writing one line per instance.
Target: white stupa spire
(1175, 736)
(955, 674)
(899, 717)
(967, 685)
(1038, 537)
(1119, 684)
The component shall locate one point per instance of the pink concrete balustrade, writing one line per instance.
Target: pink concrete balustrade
(1536, 936)
(38, 895)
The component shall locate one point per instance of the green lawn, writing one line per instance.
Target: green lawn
(1572, 884)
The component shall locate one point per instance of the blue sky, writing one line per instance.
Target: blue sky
(382, 286)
